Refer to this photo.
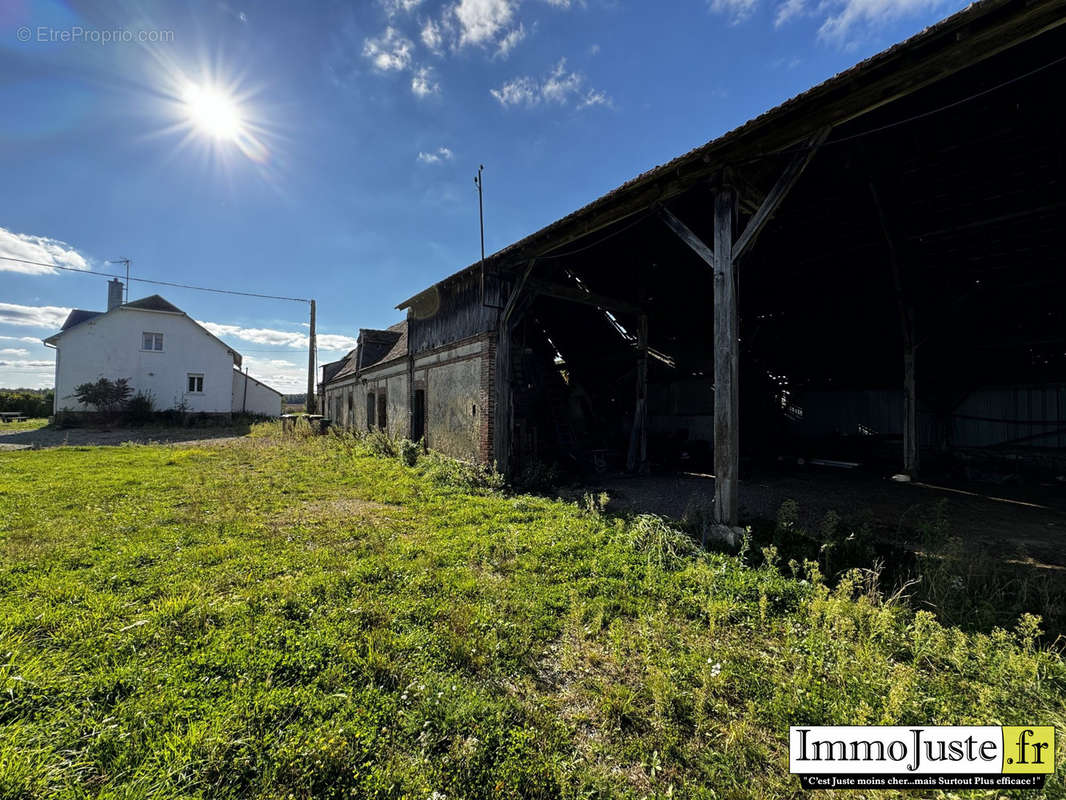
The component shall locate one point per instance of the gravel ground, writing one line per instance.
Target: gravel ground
(1028, 524)
(84, 437)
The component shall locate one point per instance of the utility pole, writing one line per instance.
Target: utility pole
(481, 211)
(311, 364)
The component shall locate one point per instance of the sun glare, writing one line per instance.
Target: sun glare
(213, 112)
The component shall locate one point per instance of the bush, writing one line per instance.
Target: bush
(140, 409)
(455, 474)
(408, 451)
(106, 396)
(378, 443)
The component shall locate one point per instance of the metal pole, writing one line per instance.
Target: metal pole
(481, 210)
(311, 364)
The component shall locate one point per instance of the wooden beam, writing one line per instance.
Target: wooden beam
(688, 237)
(512, 301)
(726, 362)
(637, 459)
(503, 407)
(778, 193)
(911, 444)
(574, 295)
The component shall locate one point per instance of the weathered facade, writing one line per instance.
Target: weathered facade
(428, 379)
(844, 273)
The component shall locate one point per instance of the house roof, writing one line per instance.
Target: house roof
(78, 316)
(976, 33)
(151, 303)
(154, 303)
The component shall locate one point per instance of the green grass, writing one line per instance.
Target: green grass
(23, 425)
(297, 618)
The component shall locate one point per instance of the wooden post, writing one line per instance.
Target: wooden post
(637, 460)
(311, 364)
(910, 406)
(910, 345)
(726, 359)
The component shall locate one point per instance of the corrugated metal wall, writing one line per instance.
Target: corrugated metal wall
(1021, 416)
(1018, 416)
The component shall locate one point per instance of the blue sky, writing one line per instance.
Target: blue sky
(342, 167)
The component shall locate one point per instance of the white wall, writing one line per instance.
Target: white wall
(259, 398)
(110, 347)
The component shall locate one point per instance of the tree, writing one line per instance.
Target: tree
(105, 395)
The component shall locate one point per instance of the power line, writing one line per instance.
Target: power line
(158, 283)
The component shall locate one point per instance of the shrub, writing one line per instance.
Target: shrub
(106, 396)
(408, 451)
(378, 443)
(140, 408)
(450, 472)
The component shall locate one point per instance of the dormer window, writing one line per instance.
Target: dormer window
(152, 341)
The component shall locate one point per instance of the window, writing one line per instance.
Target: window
(152, 341)
(349, 418)
(195, 384)
(381, 411)
(370, 411)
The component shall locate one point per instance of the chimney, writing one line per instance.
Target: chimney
(114, 293)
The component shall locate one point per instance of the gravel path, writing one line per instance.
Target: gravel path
(104, 437)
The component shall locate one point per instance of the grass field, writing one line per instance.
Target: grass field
(299, 618)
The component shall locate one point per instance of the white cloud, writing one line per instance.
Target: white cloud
(560, 84)
(517, 92)
(334, 342)
(847, 18)
(788, 10)
(11, 352)
(27, 364)
(33, 316)
(37, 248)
(559, 87)
(510, 41)
(285, 376)
(423, 84)
(436, 156)
(31, 339)
(594, 97)
(480, 20)
(389, 52)
(279, 338)
(432, 36)
(395, 7)
(736, 10)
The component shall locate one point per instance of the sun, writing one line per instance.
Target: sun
(213, 112)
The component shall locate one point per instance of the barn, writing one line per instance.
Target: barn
(870, 274)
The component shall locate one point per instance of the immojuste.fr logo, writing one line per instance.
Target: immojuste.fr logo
(946, 757)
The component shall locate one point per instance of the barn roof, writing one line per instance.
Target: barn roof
(376, 347)
(974, 34)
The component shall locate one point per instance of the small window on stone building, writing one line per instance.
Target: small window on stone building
(350, 416)
(370, 411)
(381, 410)
(152, 341)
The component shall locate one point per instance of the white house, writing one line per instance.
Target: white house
(162, 351)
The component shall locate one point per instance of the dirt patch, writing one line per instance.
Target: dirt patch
(1026, 524)
(111, 437)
